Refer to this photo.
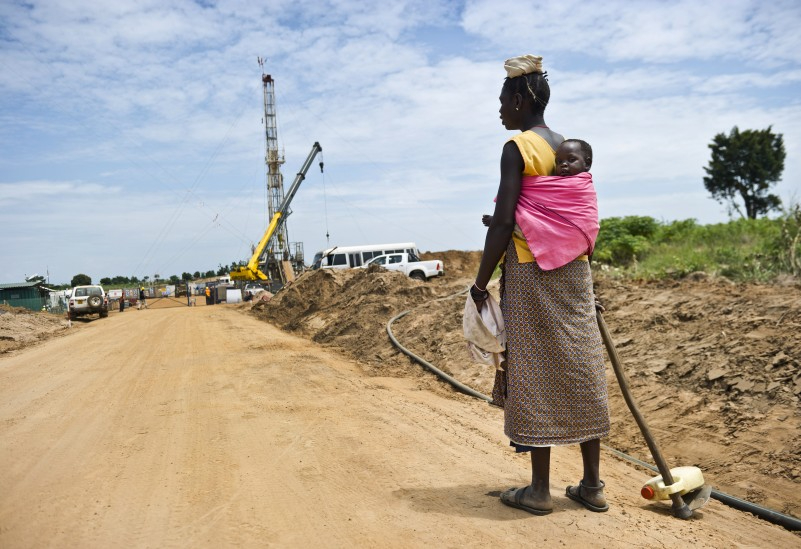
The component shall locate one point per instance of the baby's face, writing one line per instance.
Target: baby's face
(570, 159)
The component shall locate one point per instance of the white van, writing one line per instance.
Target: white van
(348, 257)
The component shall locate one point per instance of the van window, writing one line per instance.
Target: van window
(337, 259)
(355, 259)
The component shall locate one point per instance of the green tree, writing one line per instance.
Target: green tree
(174, 279)
(105, 281)
(186, 276)
(745, 165)
(81, 280)
(197, 275)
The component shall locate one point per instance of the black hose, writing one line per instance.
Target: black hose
(787, 521)
(458, 385)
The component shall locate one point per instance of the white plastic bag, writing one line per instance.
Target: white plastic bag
(485, 332)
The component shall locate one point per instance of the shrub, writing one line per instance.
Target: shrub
(743, 249)
(623, 239)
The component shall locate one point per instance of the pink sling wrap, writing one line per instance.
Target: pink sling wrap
(558, 215)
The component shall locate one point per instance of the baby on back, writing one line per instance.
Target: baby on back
(573, 156)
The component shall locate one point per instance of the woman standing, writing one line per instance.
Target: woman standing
(554, 388)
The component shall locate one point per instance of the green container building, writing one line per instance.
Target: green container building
(30, 295)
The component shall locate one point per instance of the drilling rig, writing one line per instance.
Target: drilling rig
(276, 260)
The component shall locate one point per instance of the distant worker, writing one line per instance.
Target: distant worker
(122, 301)
(142, 299)
(208, 295)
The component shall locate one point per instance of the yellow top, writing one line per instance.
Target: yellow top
(538, 156)
(538, 159)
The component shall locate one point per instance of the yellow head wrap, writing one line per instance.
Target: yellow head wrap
(523, 64)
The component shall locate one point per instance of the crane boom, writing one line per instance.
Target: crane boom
(251, 271)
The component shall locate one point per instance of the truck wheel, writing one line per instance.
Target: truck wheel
(417, 275)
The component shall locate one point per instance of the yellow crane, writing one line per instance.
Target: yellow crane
(251, 271)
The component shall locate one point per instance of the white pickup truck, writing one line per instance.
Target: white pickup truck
(410, 265)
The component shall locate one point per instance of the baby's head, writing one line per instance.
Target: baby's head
(573, 156)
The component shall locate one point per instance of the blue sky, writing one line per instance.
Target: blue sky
(132, 142)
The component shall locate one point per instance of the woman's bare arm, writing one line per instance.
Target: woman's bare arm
(503, 220)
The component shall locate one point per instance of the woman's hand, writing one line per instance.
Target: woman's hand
(479, 296)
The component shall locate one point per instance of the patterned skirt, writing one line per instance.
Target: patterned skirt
(553, 391)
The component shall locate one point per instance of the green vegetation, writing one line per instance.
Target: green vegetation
(125, 281)
(119, 281)
(742, 250)
(81, 280)
(743, 167)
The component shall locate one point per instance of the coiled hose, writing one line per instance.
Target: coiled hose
(775, 517)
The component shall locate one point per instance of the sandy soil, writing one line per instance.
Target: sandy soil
(20, 328)
(207, 427)
(714, 366)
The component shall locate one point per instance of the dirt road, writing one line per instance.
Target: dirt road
(204, 427)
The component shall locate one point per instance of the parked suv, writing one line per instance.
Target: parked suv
(87, 300)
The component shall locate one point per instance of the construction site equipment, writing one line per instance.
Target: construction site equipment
(284, 273)
(280, 259)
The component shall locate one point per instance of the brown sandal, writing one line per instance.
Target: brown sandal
(513, 498)
(577, 493)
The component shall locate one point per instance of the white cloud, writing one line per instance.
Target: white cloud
(692, 205)
(740, 33)
(33, 191)
(727, 83)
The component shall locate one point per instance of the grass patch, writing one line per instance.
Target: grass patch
(756, 250)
